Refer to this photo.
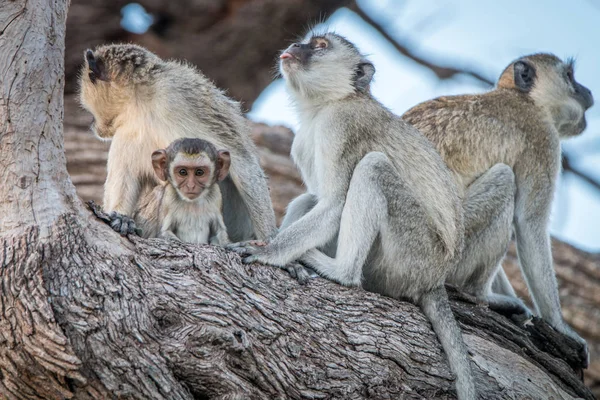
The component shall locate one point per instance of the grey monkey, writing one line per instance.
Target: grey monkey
(143, 103)
(536, 103)
(377, 184)
(187, 205)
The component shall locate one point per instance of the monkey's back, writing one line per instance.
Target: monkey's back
(362, 125)
(474, 132)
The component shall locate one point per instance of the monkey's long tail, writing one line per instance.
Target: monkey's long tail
(436, 307)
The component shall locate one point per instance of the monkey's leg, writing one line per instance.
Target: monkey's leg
(502, 285)
(489, 210)
(363, 215)
(532, 214)
(298, 208)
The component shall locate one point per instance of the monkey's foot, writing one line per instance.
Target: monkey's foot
(242, 248)
(299, 272)
(509, 306)
(583, 351)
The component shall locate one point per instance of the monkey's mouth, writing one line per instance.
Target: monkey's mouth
(191, 195)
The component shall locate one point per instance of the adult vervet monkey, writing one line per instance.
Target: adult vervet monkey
(379, 183)
(536, 102)
(142, 103)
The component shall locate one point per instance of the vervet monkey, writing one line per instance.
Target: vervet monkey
(536, 102)
(377, 183)
(187, 206)
(143, 103)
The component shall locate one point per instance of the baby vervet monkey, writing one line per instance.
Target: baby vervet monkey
(187, 204)
(536, 102)
(374, 182)
(142, 103)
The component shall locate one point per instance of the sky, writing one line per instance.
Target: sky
(486, 36)
(483, 35)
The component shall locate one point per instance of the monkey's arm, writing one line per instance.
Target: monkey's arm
(532, 214)
(218, 232)
(121, 192)
(314, 229)
(166, 229)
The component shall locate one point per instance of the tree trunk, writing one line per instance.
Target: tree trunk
(87, 314)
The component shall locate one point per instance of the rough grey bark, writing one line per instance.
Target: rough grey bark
(87, 314)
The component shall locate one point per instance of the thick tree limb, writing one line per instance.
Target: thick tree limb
(153, 319)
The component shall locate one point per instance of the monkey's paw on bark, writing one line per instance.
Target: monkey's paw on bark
(119, 222)
(247, 248)
(242, 247)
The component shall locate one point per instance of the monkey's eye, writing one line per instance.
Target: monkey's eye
(570, 75)
(199, 172)
(183, 172)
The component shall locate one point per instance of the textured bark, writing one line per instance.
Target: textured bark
(234, 42)
(87, 314)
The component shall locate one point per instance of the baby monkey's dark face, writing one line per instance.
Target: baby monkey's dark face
(191, 166)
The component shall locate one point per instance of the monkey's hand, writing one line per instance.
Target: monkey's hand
(249, 249)
(123, 224)
(243, 248)
(119, 222)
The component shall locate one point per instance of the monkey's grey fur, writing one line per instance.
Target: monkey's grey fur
(143, 103)
(378, 184)
(536, 103)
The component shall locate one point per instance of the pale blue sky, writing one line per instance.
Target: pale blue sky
(487, 35)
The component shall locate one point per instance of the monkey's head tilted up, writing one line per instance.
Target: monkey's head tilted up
(191, 166)
(550, 83)
(111, 77)
(326, 67)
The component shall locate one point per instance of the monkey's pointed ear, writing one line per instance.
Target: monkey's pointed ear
(524, 75)
(96, 67)
(223, 163)
(364, 75)
(159, 163)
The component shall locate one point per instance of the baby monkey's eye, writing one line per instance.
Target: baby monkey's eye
(199, 172)
(183, 172)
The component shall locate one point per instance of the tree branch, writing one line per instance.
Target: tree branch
(442, 72)
(567, 166)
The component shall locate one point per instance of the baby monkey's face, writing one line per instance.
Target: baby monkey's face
(191, 166)
(191, 174)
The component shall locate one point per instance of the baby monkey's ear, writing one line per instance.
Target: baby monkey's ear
(96, 67)
(159, 163)
(223, 163)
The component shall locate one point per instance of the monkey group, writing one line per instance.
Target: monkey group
(398, 205)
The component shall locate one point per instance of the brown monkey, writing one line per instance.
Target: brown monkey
(187, 206)
(536, 102)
